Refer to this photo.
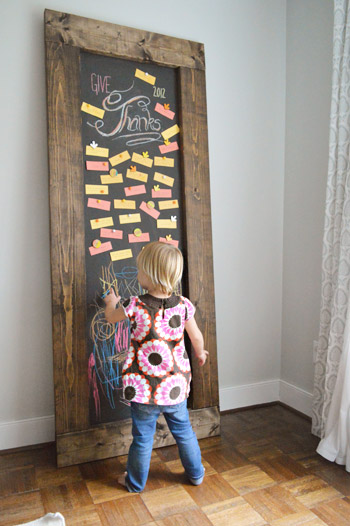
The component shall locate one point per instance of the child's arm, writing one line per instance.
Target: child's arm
(197, 341)
(112, 314)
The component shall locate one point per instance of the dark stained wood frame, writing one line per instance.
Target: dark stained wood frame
(65, 36)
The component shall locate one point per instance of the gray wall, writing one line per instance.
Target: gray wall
(249, 117)
(308, 96)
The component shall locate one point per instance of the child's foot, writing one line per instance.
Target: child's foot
(121, 479)
(197, 482)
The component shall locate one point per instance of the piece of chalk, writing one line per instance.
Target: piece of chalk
(105, 293)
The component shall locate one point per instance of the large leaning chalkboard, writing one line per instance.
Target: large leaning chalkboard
(132, 195)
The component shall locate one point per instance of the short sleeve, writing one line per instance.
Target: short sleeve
(129, 306)
(190, 309)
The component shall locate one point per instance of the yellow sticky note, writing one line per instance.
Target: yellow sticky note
(145, 76)
(170, 132)
(97, 152)
(165, 179)
(138, 176)
(96, 189)
(166, 223)
(145, 161)
(119, 158)
(111, 179)
(124, 203)
(101, 222)
(163, 161)
(121, 254)
(166, 205)
(96, 112)
(129, 218)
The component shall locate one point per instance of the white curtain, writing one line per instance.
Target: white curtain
(335, 446)
(330, 419)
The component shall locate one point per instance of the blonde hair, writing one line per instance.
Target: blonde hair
(163, 264)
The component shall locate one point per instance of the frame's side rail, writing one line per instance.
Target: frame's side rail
(124, 42)
(67, 237)
(198, 228)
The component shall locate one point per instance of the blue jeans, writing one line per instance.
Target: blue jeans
(144, 419)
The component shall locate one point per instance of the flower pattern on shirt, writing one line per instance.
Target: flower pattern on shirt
(155, 358)
(136, 388)
(157, 368)
(140, 323)
(170, 323)
(172, 390)
(129, 358)
(190, 308)
(181, 357)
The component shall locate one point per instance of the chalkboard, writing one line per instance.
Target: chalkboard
(86, 61)
(124, 153)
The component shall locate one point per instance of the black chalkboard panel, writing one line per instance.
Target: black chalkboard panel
(126, 107)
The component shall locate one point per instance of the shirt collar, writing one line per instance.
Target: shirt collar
(157, 303)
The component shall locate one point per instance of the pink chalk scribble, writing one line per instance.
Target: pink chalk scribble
(93, 384)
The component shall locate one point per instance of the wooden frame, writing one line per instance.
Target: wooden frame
(65, 36)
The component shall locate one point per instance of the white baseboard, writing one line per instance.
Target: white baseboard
(296, 398)
(40, 430)
(27, 432)
(265, 392)
(250, 394)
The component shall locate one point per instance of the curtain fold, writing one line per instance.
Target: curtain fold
(332, 347)
(335, 446)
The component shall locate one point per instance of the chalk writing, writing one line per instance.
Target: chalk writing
(134, 120)
(159, 92)
(99, 84)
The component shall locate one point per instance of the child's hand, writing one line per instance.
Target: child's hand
(111, 299)
(202, 357)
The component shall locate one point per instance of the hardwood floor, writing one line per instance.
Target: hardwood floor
(262, 470)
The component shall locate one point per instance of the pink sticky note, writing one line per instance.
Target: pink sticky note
(141, 239)
(167, 113)
(101, 166)
(165, 148)
(135, 190)
(110, 232)
(105, 247)
(98, 203)
(161, 193)
(150, 211)
(169, 241)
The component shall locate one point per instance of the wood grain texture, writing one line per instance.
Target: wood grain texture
(114, 439)
(67, 237)
(65, 36)
(198, 254)
(89, 494)
(120, 41)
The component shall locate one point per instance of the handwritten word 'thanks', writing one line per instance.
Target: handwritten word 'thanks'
(133, 119)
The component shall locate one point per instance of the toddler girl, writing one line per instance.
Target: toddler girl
(156, 373)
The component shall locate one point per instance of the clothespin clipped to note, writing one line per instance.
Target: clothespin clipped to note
(93, 144)
(145, 154)
(166, 142)
(132, 168)
(156, 187)
(168, 237)
(166, 106)
(173, 218)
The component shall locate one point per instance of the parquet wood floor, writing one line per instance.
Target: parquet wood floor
(262, 471)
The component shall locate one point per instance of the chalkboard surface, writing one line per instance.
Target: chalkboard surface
(132, 195)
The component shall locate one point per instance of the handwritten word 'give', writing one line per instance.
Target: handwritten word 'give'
(99, 84)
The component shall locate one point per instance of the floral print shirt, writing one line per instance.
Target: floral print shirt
(157, 368)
